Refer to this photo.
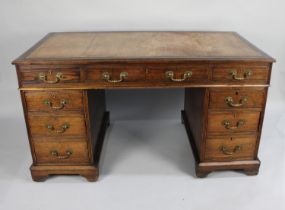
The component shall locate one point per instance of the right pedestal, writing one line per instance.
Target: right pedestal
(224, 127)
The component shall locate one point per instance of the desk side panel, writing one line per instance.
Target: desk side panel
(96, 103)
(196, 103)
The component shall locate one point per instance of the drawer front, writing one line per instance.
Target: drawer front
(54, 101)
(230, 148)
(57, 153)
(50, 77)
(237, 98)
(56, 126)
(241, 74)
(110, 76)
(179, 74)
(233, 121)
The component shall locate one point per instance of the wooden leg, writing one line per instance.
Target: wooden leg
(90, 175)
(39, 177)
(41, 173)
(251, 172)
(202, 174)
(90, 178)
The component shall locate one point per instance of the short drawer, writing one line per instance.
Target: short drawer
(54, 101)
(50, 77)
(237, 98)
(178, 74)
(110, 76)
(56, 126)
(241, 73)
(57, 153)
(230, 148)
(233, 121)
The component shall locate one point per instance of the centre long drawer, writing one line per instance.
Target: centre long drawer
(178, 74)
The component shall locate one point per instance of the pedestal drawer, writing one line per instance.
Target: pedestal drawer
(67, 152)
(57, 126)
(230, 148)
(237, 98)
(54, 101)
(233, 121)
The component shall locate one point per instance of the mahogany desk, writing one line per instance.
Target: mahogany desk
(62, 81)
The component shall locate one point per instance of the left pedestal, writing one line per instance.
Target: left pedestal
(66, 131)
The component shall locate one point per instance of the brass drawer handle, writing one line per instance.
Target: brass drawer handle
(246, 75)
(56, 154)
(170, 75)
(228, 125)
(63, 102)
(227, 151)
(106, 76)
(63, 128)
(43, 77)
(229, 100)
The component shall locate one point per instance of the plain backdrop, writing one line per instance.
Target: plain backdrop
(146, 162)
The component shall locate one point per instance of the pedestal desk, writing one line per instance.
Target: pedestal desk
(62, 80)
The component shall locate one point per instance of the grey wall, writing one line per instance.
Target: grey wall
(25, 22)
(145, 104)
